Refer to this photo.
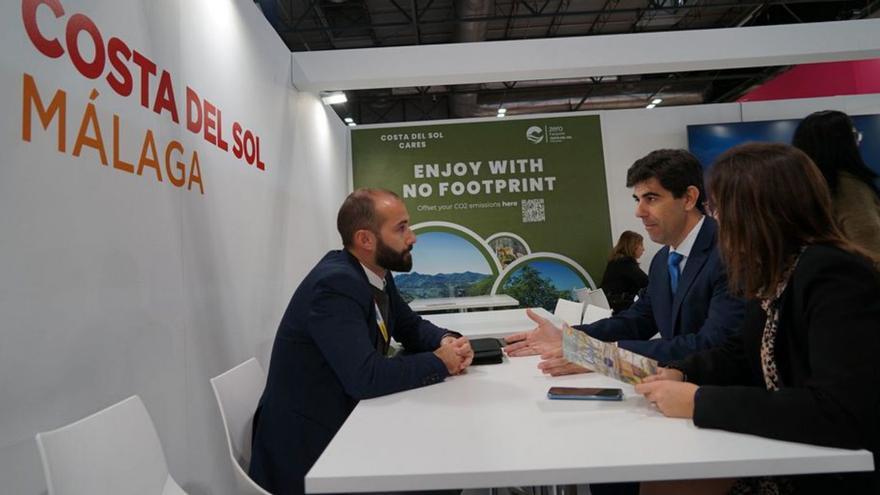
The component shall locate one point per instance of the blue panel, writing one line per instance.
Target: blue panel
(710, 140)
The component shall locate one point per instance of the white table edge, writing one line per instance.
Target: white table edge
(418, 306)
(835, 462)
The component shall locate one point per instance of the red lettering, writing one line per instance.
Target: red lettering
(50, 48)
(193, 111)
(148, 68)
(165, 97)
(250, 151)
(260, 164)
(210, 122)
(236, 140)
(117, 52)
(223, 145)
(77, 24)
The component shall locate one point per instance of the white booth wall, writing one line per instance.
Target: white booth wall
(114, 283)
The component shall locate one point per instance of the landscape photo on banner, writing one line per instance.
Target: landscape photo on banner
(517, 207)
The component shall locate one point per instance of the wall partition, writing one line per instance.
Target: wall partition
(156, 168)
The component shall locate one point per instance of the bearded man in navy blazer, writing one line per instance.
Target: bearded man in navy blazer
(686, 300)
(331, 349)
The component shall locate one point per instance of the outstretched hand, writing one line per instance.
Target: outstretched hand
(544, 338)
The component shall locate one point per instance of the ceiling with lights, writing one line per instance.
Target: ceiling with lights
(308, 25)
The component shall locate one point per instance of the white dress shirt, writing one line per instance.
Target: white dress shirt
(684, 249)
(375, 280)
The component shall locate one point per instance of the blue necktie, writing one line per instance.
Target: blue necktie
(672, 262)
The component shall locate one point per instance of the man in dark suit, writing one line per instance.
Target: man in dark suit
(686, 300)
(331, 349)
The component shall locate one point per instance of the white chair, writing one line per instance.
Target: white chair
(238, 391)
(569, 311)
(113, 451)
(597, 298)
(593, 314)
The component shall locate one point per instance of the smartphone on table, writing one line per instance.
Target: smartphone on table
(585, 393)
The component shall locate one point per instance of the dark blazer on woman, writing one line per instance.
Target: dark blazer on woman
(622, 281)
(827, 354)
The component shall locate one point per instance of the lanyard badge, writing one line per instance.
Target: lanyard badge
(381, 322)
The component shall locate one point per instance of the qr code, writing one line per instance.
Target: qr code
(533, 210)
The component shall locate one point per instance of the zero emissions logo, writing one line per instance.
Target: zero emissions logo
(535, 134)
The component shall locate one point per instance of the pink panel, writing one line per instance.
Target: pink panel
(825, 79)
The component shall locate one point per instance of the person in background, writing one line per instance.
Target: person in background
(805, 366)
(831, 140)
(331, 349)
(623, 278)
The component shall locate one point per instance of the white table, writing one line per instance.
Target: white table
(463, 303)
(494, 427)
(490, 323)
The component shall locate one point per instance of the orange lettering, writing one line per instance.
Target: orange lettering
(195, 173)
(149, 161)
(96, 141)
(58, 105)
(175, 146)
(118, 163)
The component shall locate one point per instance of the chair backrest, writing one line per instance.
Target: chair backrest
(597, 298)
(582, 294)
(569, 311)
(238, 392)
(115, 450)
(593, 314)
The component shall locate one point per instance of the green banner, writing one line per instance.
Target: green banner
(508, 206)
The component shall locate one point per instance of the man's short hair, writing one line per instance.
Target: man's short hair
(676, 170)
(358, 212)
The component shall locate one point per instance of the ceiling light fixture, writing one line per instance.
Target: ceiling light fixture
(657, 101)
(348, 120)
(502, 110)
(333, 97)
(352, 124)
(650, 106)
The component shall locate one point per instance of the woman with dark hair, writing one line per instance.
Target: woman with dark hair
(623, 278)
(805, 366)
(831, 140)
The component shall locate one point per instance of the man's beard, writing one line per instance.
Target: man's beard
(389, 259)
